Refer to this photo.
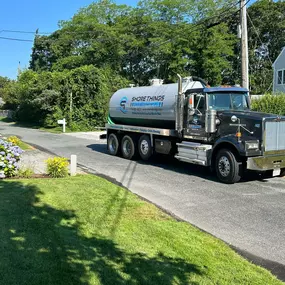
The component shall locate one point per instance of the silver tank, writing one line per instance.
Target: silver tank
(150, 106)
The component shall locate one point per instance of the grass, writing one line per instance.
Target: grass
(24, 146)
(56, 130)
(85, 230)
(6, 120)
(53, 130)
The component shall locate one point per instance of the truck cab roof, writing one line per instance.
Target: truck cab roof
(224, 89)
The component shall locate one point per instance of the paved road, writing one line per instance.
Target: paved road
(249, 215)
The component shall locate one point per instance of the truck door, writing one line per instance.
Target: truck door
(195, 118)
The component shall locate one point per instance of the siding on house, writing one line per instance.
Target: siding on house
(279, 73)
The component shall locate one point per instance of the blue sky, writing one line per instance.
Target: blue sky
(30, 15)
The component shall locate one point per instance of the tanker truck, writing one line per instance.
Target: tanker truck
(209, 126)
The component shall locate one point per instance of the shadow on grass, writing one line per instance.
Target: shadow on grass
(20, 124)
(44, 245)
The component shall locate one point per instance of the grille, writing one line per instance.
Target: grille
(274, 136)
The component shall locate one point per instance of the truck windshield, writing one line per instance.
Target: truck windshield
(228, 101)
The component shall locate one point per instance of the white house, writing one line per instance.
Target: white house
(279, 73)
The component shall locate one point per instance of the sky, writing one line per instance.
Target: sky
(30, 15)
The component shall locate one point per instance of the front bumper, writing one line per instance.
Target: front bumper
(262, 163)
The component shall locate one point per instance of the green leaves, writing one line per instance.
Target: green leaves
(106, 46)
(271, 104)
(81, 95)
(266, 40)
(155, 39)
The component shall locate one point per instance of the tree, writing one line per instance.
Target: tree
(4, 81)
(266, 39)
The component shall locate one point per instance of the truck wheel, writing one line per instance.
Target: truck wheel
(113, 144)
(282, 174)
(127, 147)
(145, 149)
(227, 167)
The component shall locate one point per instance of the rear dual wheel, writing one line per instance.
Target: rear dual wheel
(128, 147)
(113, 144)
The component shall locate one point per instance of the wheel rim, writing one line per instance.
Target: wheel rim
(112, 145)
(127, 147)
(144, 147)
(224, 166)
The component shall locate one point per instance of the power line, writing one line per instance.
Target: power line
(26, 32)
(258, 36)
(92, 31)
(211, 25)
(15, 39)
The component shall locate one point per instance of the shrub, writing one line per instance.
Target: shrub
(25, 172)
(14, 140)
(9, 159)
(272, 104)
(57, 167)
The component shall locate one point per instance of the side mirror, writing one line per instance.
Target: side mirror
(234, 118)
(191, 111)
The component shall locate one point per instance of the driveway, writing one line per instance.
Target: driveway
(249, 215)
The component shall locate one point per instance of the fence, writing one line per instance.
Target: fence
(7, 113)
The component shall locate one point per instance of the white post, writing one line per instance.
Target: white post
(63, 125)
(73, 165)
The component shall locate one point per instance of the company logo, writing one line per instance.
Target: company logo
(123, 105)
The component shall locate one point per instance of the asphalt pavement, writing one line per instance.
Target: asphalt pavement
(250, 215)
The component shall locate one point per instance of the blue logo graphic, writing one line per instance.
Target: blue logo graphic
(123, 105)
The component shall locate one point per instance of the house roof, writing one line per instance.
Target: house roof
(283, 49)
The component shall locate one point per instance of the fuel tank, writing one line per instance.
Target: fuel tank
(149, 106)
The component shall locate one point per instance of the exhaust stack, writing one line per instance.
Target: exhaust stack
(179, 108)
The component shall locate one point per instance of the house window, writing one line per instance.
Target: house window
(280, 74)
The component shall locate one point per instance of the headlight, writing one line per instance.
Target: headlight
(252, 145)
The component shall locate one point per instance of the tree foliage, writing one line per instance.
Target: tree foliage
(80, 95)
(156, 38)
(266, 40)
(105, 46)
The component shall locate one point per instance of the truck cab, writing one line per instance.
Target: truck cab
(220, 130)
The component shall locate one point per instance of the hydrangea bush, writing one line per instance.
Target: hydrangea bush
(9, 158)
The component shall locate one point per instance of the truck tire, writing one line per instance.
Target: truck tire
(113, 144)
(128, 147)
(282, 174)
(145, 148)
(227, 167)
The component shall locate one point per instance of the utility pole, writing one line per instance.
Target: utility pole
(244, 45)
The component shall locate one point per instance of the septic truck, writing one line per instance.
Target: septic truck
(209, 126)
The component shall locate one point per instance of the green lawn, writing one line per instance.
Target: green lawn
(54, 130)
(85, 230)
(25, 146)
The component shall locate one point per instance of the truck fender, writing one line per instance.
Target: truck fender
(229, 142)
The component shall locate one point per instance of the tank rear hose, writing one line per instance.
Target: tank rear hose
(204, 82)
